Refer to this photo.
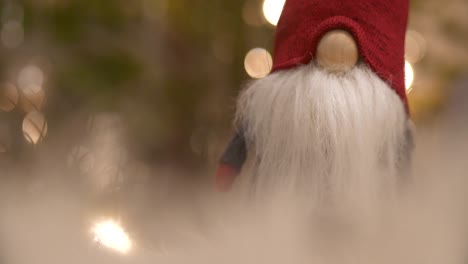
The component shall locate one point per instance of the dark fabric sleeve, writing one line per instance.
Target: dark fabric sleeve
(236, 152)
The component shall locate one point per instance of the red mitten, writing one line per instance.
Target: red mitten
(225, 177)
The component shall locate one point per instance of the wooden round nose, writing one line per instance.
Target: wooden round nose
(337, 51)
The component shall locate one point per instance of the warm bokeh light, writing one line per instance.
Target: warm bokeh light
(31, 79)
(32, 101)
(272, 10)
(8, 97)
(415, 46)
(409, 76)
(81, 158)
(12, 34)
(258, 63)
(251, 14)
(111, 235)
(34, 127)
(31, 84)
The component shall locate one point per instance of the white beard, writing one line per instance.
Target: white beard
(337, 139)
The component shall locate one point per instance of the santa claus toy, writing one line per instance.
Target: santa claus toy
(331, 119)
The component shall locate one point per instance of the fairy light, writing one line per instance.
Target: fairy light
(34, 127)
(409, 76)
(272, 10)
(31, 79)
(111, 235)
(258, 63)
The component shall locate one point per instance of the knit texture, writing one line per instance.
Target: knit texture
(378, 26)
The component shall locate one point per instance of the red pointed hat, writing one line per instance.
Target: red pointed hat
(378, 26)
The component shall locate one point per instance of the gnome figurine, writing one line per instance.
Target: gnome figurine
(332, 118)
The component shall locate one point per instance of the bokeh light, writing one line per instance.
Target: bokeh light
(12, 34)
(31, 101)
(31, 79)
(8, 97)
(251, 15)
(415, 46)
(272, 10)
(82, 158)
(409, 76)
(111, 235)
(34, 127)
(258, 63)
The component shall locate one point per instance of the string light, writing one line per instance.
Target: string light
(258, 63)
(111, 235)
(409, 76)
(30, 79)
(272, 10)
(34, 127)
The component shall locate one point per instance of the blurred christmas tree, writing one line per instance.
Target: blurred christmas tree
(173, 68)
(443, 25)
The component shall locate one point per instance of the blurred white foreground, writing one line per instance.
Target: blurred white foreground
(48, 221)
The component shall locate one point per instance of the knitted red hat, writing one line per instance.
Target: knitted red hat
(378, 26)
